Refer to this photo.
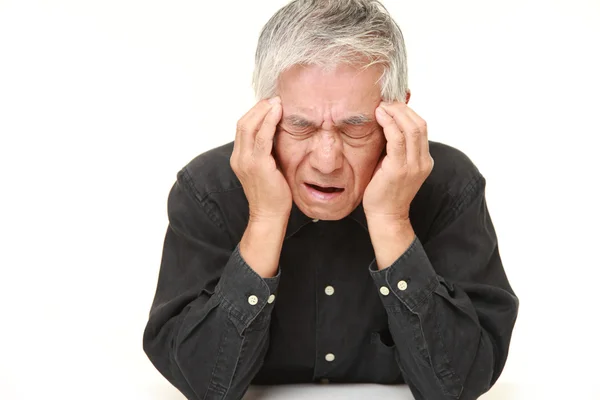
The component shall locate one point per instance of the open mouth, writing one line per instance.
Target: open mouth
(328, 189)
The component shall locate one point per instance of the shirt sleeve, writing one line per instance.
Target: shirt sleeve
(207, 332)
(451, 309)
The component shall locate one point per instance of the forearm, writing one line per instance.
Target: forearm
(443, 352)
(213, 358)
(390, 239)
(261, 244)
(448, 348)
(209, 343)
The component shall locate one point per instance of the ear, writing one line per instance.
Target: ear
(407, 96)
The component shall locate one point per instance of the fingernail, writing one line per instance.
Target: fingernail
(275, 100)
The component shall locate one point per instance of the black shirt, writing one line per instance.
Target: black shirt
(439, 319)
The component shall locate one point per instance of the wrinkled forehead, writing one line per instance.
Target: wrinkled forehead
(338, 93)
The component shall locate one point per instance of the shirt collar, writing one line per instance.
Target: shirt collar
(298, 219)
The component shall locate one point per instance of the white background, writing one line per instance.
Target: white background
(102, 102)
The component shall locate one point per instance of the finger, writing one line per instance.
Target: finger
(424, 142)
(396, 142)
(263, 142)
(409, 127)
(249, 124)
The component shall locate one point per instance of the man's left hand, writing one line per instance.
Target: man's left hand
(403, 168)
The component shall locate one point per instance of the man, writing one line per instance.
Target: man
(322, 244)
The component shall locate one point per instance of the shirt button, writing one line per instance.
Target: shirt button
(384, 290)
(253, 300)
(402, 285)
(329, 290)
(271, 299)
(316, 220)
(330, 357)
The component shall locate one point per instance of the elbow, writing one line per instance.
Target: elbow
(157, 348)
(484, 371)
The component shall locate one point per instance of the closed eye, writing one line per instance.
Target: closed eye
(358, 132)
(356, 135)
(294, 131)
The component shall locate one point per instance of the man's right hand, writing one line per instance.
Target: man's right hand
(269, 196)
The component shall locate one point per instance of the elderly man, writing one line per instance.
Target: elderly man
(322, 245)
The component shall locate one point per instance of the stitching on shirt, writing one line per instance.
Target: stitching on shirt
(417, 333)
(444, 373)
(428, 293)
(465, 197)
(213, 386)
(202, 197)
(236, 368)
(447, 367)
(233, 313)
(203, 201)
(188, 182)
(237, 364)
(175, 339)
(237, 316)
(470, 189)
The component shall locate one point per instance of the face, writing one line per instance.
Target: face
(328, 142)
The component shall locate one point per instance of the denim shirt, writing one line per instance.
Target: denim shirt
(439, 319)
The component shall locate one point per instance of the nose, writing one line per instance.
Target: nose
(326, 153)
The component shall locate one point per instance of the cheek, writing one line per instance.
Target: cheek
(365, 161)
(288, 153)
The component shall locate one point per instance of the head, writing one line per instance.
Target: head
(331, 62)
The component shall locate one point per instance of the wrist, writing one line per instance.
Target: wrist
(390, 239)
(269, 217)
(261, 245)
(387, 223)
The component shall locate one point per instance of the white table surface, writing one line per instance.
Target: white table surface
(501, 391)
(329, 391)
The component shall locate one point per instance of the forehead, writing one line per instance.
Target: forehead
(343, 89)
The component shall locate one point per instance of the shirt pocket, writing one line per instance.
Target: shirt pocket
(382, 353)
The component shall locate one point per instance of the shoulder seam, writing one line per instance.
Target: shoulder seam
(464, 198)
(470, 189)
(188, 182)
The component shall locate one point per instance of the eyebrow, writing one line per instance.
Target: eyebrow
(301, 122)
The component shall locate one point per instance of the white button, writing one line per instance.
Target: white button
(402, 285)
(253, 300)
(330, 357)
(316, 220)
(329, 290)
(384, 290)
(324, 380)
(271, 299)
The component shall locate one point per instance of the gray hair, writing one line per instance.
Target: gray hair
(327, 33)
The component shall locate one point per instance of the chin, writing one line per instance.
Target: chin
(325, 213)
(328, 216)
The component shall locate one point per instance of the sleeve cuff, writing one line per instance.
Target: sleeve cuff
(244, 293)
(410, 279)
